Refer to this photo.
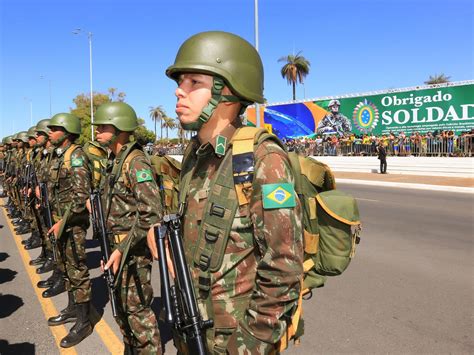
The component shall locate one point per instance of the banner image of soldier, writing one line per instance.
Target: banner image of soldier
(334, 122)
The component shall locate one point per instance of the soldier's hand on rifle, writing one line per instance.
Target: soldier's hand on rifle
(29, 191)
(151, 241)
(114, 261)
(88, 205)
(55, 228)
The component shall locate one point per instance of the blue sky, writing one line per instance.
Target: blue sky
(353, 46)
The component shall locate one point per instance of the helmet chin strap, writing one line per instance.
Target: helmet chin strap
(217, 97)
(60, 141)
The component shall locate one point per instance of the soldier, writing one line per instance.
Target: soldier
(131, 205)
(334, 122)
(41, 169)
(19, 182)
(32, 155)
(245, 254)
(70, 180)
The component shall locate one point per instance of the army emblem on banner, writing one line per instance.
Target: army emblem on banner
(365, 116)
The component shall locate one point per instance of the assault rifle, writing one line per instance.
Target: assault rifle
(47, 216)
(100, 230)
(179, 299)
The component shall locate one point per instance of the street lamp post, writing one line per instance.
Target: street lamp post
(257, 106)
(89, 36)
(49, 85)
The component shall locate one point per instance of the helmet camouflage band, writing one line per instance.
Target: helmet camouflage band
(118, 114)
(226, 55)
(42, 126)
(69, 122)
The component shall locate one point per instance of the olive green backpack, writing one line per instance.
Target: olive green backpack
(167, 170)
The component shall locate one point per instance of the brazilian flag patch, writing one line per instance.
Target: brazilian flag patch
(77, 162)
(278, 196)
(144, 175)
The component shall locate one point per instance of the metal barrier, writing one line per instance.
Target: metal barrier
(437, 147)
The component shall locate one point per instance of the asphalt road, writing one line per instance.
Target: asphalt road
(409, 289)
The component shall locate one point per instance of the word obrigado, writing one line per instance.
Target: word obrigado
(425, 114)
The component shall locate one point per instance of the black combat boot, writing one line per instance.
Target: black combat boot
(57, 288)
(23, 229)
(46, 267)
(67, 315)
(17, 222)
(33, 244)
(41, 259)
(50, 280)
(82, 329)
(33, 236)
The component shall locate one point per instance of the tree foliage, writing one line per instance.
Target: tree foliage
(158, 114)
(296, 68)
(142, 134)
(437, 79)
(82, 110)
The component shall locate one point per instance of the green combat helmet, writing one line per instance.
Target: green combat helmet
(118, 114)
(230, 59)
(9, 140)
(42, 126)
(22, 136)
(69, 122)
(32, 132)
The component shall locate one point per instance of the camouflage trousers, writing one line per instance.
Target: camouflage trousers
(136, 319)
(73, 255)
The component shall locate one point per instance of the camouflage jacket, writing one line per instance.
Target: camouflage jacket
(258, 282)
(334, 124)
(43, 167)
(131, 198)
(70, 183)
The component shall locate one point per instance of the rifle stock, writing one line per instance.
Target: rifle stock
(48, 217)
(100, 230)
(181, 307)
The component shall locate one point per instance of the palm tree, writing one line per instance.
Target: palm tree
(157, 114)
(168, 123)
(295, 69)
(437, 79)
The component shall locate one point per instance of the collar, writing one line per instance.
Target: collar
(220, 142)
(61, 150)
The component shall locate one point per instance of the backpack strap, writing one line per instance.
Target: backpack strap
(68, 154)
(230, 189)
(97, 158)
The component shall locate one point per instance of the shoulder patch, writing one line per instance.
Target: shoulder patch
(276, 196)
(77, 162)
(144, 175)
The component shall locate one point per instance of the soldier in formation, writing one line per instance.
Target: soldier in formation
(241, 228)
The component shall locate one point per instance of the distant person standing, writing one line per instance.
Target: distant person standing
(382, 156)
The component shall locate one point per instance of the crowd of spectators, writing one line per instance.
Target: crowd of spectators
(437, 143)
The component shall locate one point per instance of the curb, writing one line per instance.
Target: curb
(406, 185)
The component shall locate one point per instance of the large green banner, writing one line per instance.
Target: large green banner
(427, 109)
(441, 108)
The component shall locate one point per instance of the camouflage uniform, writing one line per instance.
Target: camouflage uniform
(131, 207)
(334, 123)
(71, 188)
(258, 282)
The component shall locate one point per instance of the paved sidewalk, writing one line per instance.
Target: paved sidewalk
(409, 179)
